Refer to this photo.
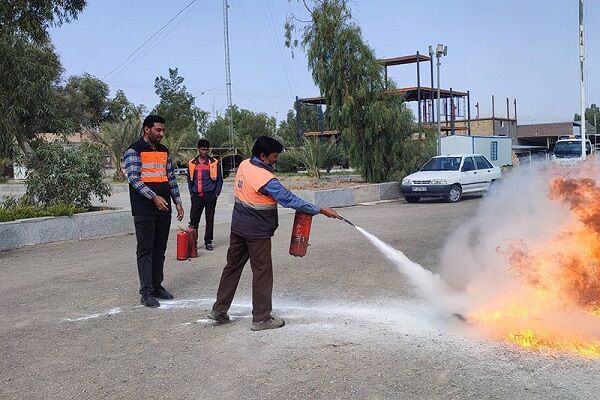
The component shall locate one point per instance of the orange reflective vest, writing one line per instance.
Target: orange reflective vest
(213, 166)
(153, 173)
(254, 214)
(248, 180)
(154, 166)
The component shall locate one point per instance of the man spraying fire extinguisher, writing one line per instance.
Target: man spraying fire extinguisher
(205, 181)
(254, 221)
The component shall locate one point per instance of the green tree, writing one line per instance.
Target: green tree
(287, 132)
(62, 173)
(185, 122)
(119, 108)
(32, 18)
(115, 137)
(217, 132)
(592, 115)
(29, 69)
(247, 125)
(83, 101)
(344, 67)
(29, 73)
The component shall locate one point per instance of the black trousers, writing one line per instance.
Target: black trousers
(152, 233)
(199, 203)
(259, 252)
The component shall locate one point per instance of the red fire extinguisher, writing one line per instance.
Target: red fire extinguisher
(183, 252)
(193, 238)
(187, 244)
(300, 234)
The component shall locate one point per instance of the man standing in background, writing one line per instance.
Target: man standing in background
(152, 185)
(205, 181)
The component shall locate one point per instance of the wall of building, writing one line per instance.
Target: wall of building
(489, 127)
(460, 144)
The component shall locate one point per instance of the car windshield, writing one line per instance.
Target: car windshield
(571, 148)
(442, 164)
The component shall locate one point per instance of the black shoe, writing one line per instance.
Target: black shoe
(149, 301)
(209, 247)
(162, 293)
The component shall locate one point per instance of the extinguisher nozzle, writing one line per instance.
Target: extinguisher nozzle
(346, 221)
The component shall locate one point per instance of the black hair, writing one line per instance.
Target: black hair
(203, 143)
(152, 119)
(266, 145)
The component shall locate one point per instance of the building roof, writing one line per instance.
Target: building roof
(410, 94)
(553, 129)
(544, 130)
(413, 58)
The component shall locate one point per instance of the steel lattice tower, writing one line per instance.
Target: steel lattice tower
(228, 72)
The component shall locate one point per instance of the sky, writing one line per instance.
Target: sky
(523, 50)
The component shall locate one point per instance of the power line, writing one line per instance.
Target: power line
(87, 38)
(155, 42)
(150, 38)
(278, 45)
(271, 71)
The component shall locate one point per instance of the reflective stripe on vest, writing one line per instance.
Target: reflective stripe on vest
(213, 169)
(248, 180)
(154, 166)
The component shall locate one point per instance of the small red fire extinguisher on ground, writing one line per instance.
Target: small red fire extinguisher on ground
(300, 234)
(193, 238)
(187, 244)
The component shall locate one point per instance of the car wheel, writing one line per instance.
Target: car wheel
(455, 194)
(412, 199)
(491, 186)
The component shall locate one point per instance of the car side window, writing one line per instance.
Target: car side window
(481, 163)
(489, 164)
(468, 165)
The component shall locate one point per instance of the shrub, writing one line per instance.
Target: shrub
(12, 209)
(286, 163)
(316, 155)
(60, 173)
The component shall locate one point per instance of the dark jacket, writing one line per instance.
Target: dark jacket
(208, 186)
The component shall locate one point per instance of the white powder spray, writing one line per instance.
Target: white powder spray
(428, 284)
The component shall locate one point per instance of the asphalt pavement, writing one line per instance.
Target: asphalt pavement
(72, 326)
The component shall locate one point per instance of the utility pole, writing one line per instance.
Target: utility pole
(228, 74)
(440, 50)
(581, 79)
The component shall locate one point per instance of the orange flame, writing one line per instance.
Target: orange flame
(557, 302)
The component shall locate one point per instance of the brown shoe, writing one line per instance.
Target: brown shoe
(272, 323)
(219, 317)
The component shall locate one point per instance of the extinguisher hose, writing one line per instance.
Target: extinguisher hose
(346, 221)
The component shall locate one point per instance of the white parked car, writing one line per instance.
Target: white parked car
(450, 177)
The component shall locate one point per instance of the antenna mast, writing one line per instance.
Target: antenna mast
(228, 73)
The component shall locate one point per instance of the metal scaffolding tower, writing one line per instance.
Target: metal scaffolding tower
(228, 71)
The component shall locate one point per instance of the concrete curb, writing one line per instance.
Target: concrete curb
(33, 231)
(347, 197)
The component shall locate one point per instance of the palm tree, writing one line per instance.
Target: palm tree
(316, 155)
(176, 143)
(116, 137)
